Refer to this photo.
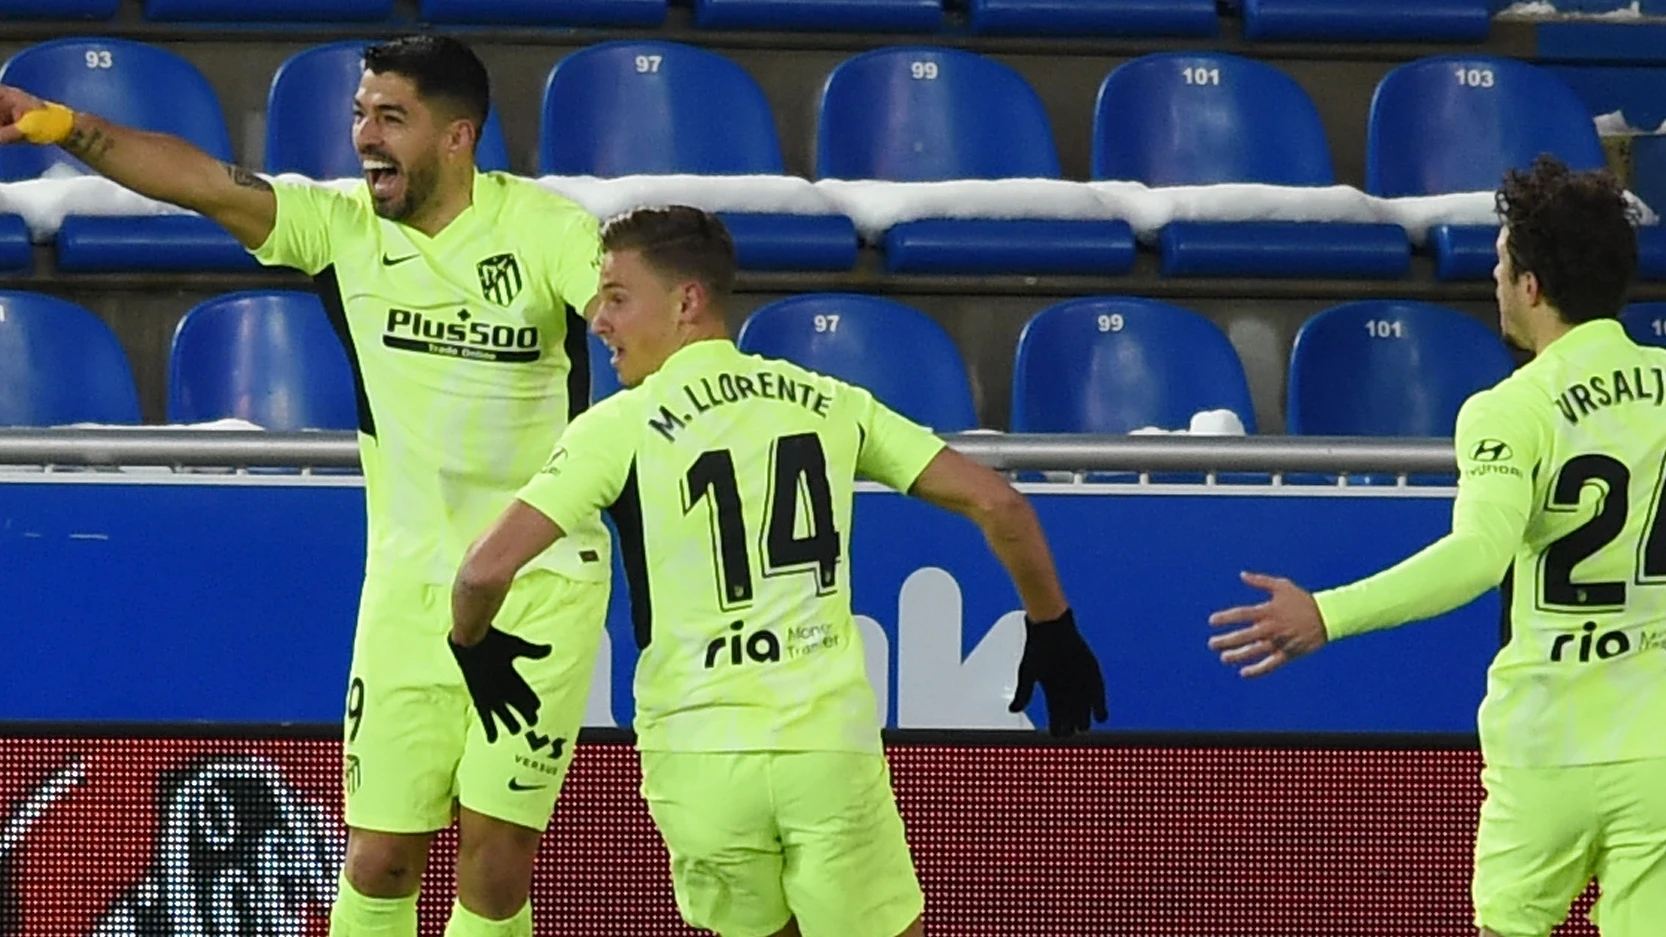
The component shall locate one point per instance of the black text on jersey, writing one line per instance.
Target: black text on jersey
(460, 337)
(761, 646)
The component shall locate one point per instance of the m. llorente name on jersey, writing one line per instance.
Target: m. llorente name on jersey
(711, 393)
(1598, 391)
(460, 337)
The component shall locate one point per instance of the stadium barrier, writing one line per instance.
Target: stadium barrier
(181, 606)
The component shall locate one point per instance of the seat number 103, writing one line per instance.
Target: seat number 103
(797, 482)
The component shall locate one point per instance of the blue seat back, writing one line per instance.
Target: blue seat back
(293, 11)
(59, 364)
(1455, 123)
(604, 380)
(1645, 323)
(921, 114)
(1111, 364)
(309, 116)
(1179, 118)
(128, 82)
(627, 108)
(1389, 368)
(895, 351)
(269, 357)
(57, 9)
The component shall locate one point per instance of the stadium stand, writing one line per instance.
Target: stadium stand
(58, 9)
(1115, 364)
(147, 87)
(309, 116)
(1193, 119)
(63, 365)
(544, 13)
(1094, 17)
(359, 11)
(1455, 123)
(268, 357)
(1646, 323)
(669, 90)
(1356, 21)
(846, 15)
(1376, 368)
(897, 352)
(925, 114)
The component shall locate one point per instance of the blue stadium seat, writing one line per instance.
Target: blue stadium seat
(895, 351)
(1112, 364)
(924, 114)
(798, 15)
(544, 12)
(142, 86)
(1095, 17)
(17, 252)
(1389, 368)
(670, 90)
(63, 365)
(1455, 123)
(309, 116)
(58, 9)
(1208, 118)
(1646, 323)
(269, 357)
(1367, 20)
(268, 10)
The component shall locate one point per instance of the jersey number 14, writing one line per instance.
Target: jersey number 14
(797, 482)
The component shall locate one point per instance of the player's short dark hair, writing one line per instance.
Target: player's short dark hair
(679, 242)
(1576, 232)
(443, 69)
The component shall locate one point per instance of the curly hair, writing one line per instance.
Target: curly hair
(1574, 231)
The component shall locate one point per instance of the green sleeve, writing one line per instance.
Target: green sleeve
(300, 236)
(587, 470)
(1498, 442)
(578, 261)
(895, 450)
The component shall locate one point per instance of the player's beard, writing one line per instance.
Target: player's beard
(421, 179)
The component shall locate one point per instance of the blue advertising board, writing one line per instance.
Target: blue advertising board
(174, 598)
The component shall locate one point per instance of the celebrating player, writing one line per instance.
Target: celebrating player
(1562, 468)
(456, 294)
(729, 478)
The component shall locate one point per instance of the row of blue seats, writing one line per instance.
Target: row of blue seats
(1095, 365)
(909, 114)
(1368, 20)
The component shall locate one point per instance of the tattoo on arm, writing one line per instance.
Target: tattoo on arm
(88, 143)
(247, 179)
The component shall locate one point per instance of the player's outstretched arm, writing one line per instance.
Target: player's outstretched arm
(156, 165)
(1055, 655)
(520, 533)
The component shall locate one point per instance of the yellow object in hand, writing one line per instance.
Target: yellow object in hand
(47, 124)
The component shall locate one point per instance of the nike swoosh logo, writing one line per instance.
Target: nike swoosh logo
(516, 785)
(393, 261)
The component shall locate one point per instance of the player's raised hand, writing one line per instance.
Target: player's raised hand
(14, 103)
(1056, 656)
(1281, 629)
(498, 690)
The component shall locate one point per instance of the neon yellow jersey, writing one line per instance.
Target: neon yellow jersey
(730, 480)
(1562, 467)
(468, 352)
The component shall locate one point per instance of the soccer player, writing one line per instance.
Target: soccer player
(730, 478)
(1562, 466)
(456, 294)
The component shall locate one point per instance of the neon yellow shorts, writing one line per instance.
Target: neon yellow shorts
(758, 837)
(1546, 832)
(414, 745)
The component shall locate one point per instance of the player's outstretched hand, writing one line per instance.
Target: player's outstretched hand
(14, 103)
(1281, 629)
(497, 689)
(1056, 656)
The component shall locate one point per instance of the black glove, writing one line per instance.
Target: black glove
(494, 685)
(1056, 657)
